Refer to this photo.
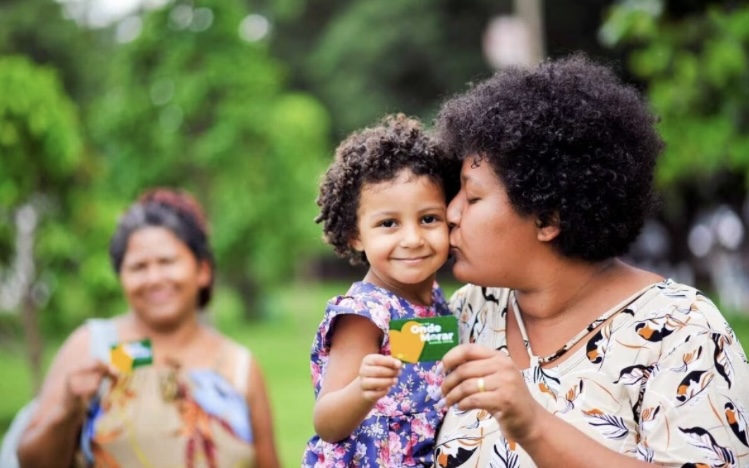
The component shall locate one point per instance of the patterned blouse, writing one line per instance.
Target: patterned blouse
(400, 429)
(665, 381)
(172, 417)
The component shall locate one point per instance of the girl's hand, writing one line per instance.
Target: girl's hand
(482, 378)
(377, 375)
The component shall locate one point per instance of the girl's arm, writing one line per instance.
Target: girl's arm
(352, 385)
(261, 419)
(52, 435)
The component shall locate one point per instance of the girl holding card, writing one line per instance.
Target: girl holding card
(198, 400)
(571, 357)
(382, 203)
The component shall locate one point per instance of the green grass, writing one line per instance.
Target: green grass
(281, 345)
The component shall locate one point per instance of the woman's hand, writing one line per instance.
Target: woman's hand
(482, 378)
(377, 375)
(82, 383)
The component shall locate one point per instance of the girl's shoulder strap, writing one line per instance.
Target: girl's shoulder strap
(103, 336)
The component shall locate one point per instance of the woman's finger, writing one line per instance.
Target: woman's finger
(465, 353)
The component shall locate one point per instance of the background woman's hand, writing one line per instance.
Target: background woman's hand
(377, 375)
(82, 383)
(482, 378)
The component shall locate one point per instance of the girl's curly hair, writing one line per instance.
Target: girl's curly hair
(373, 155)
(570, 143)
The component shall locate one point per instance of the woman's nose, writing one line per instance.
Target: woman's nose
(455, 209)
(153, 274)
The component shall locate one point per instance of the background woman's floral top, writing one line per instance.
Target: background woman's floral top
(162, 417)
(664, 381)
(400, 429)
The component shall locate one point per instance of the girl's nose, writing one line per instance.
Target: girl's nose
(412, 237)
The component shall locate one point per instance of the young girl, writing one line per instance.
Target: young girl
(382, 203)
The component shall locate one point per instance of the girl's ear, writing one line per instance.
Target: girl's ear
(546, 232)
(356, 244)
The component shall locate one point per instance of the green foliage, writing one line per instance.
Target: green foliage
(43, 164)
(697, 70)
(40, 141)
(189, 103)
(368, 58)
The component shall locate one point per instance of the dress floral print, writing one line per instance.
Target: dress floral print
(665, 381)
(159, 417)
(400, 429)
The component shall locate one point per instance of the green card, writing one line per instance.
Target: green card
(422, 339)
(129, 355)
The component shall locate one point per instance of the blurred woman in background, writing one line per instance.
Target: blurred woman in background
(201, 402)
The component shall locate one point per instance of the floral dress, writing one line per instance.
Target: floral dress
(664, 381)
(400, 429)
(171, 417)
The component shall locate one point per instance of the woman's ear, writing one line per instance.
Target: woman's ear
(549, 230)
(205, 273)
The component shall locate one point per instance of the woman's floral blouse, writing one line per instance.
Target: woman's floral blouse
(169, 417)
(665, 381)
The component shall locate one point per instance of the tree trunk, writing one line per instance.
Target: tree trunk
(34, 344)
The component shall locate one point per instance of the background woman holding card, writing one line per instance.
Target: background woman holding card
(382, 203)
(571, 357)
(199, 399)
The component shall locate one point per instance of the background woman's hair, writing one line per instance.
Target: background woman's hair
(570, 142)
(175, 210)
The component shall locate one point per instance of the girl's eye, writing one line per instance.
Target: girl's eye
(429, 219)
(388, 223)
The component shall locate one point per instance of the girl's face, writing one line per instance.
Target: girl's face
(161, 277)
(492, 243)
(402, 229)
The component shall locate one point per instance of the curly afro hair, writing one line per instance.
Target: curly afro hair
(373, 155)
(570, 143)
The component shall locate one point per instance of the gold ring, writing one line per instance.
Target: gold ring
(480, 384)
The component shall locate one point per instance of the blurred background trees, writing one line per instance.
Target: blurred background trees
(242, 103)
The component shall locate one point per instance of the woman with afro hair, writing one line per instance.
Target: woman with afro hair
(569, 356)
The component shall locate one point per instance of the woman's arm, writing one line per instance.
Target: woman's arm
(51, 438)
(549, 440)
(261, 419)
(355, 378)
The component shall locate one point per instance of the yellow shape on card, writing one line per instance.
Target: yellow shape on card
(120, 359)
(406, 344)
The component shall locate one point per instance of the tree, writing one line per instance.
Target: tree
(692, 57)
(191, 103)
(41, 150)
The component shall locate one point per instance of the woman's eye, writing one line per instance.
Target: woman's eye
(135, 267)
(472, 200)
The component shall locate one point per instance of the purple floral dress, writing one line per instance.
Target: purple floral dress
(400, 429)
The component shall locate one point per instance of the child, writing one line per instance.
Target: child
(382, 203)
